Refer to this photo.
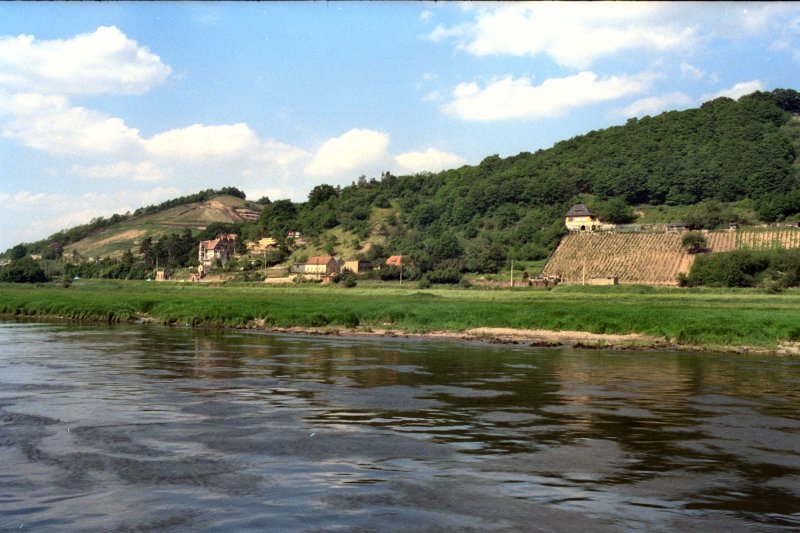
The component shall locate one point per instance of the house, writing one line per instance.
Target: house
(320, 266)
(262, 245)
(162, 275)
(220, 248)
(677, 227)
(295, 237)
(357, 266)
(395, 260)
(580, 218)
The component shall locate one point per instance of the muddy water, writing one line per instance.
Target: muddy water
(158, 429)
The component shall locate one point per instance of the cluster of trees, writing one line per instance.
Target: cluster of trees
(24, 270)
(772, 269)
(127, 267)
(477, 218)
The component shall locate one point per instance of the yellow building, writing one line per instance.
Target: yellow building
(581, 218)
(321, 266)
(262, 245)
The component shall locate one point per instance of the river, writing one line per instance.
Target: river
(149, 428)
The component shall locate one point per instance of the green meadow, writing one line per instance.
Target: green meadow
(709, 318)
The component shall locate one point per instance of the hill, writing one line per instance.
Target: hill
(650, 258)
(197, 216)
(726, 161)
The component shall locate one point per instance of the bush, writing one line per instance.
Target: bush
(424, 283)
(694, 242)
(347, 279)
(773, 269)
(449, 276)
(23, 271)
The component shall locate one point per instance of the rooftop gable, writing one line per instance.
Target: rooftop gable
(320, 260)
(580, 210)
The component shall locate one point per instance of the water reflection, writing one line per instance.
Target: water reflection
(152, 428)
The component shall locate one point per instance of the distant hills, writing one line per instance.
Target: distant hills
(726, 161)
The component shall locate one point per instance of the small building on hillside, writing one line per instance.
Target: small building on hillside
(357, 267)
(395, 260)
(262, 245)
(162, 275)
(321, 266)
(220, 248)
(581, 218)
(677, 227)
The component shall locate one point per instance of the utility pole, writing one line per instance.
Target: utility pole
(512, 273)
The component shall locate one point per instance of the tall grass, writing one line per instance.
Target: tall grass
(699, 317)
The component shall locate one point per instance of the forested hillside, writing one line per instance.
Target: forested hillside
(475, 217)
(719, 157)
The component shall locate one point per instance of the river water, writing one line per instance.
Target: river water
(147, 428)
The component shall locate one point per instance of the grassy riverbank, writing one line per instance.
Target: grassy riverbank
(705, 318)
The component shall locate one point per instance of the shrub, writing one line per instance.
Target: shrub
(694, 242)
(449, 276)
(23, 271)
(347, 279)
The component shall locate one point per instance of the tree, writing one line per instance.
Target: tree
(694, 242)
(19, 251)
(146, 249)
(330, 244)
(279, 217)
(233, 191)
(320, 194)
(616, 211)
(24, 270)
(127, 257)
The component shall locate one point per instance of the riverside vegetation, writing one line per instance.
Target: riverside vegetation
(739, 319)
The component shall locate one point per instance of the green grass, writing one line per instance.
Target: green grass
(705, 317)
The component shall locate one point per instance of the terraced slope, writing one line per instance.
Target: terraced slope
(196, 216)
(649, 258)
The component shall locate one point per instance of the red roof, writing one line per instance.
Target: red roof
(395, 260)
(320, 260)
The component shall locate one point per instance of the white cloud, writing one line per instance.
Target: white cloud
(511, 98)
(33, 216)
(737, 91)
(145, 171)
(426, 15)
(655, 104)
(573, 34)
(353, 151)
(104, 61)
(690, 71)
(432, 96)
(200, 142)
(22, 198)
(51, 124)
(431, 160)
(279, 153)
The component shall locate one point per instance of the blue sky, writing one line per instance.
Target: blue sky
(109, 106)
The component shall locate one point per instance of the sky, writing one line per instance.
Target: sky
(110, 106)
